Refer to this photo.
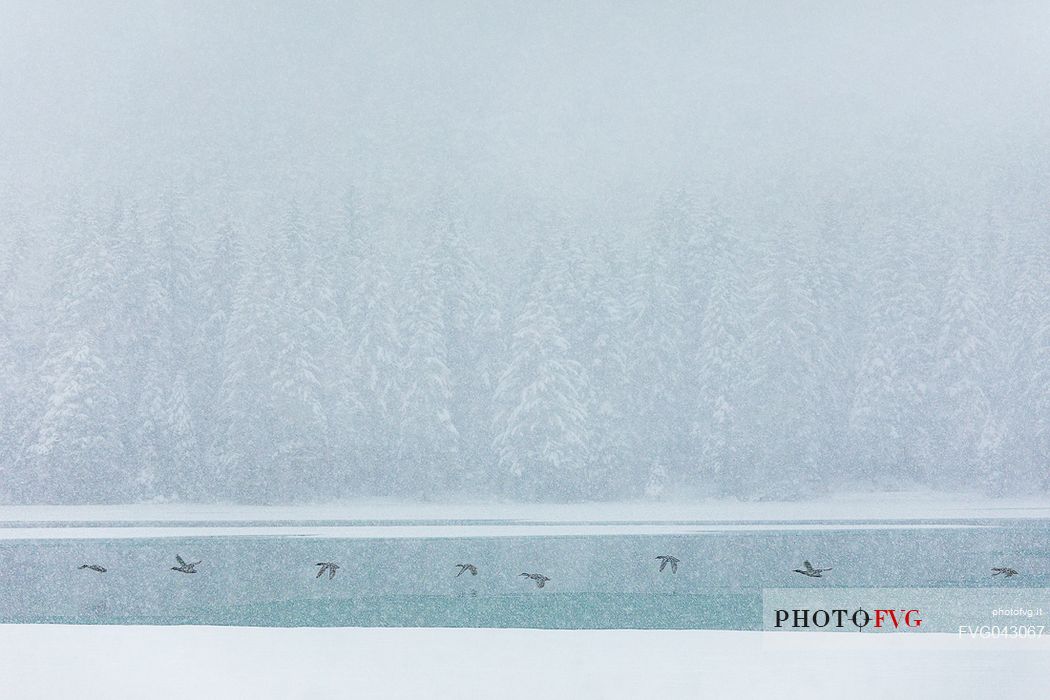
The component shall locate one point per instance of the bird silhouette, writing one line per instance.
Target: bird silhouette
(93, 567)
(1006, 571)
(330, 566)
(540, 579)
(810, 571)
(184, 566)
(666, 559)
(467, 567)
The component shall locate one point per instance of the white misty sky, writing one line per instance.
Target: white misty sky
(585, 110)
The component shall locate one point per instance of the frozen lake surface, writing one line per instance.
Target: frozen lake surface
(402, 574)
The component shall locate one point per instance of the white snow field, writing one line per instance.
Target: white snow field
(87, 662)
(909, 505)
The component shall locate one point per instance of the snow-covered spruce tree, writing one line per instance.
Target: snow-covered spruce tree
(161, 290)
(75, 447)
(275, 397)
(10, 387)
(540, 419)
(246, 411)
(786, 443)
(165, 447)
(223, 272)
(1021, 397)
(429, 440)
(1037, 445)
(601, 344)
(304, 317)
(720, 363)
(959, 408)
(471, 326)
(656, 486)
(368, 400)
(13, 367)
(341, 236)
(655, 321)
(893, 368)
(832, 253)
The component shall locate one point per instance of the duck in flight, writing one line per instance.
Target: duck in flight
(540, 579)
(467, 567)
(666, 559)
(93, 567)
(184, 566)
(1006, 571)
(810, 571)
(330, 566)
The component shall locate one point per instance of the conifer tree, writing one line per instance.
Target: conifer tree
(541, 419)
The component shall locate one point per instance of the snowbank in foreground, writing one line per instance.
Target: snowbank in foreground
(860, 506)
(156, 662)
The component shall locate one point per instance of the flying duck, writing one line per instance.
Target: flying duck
(467, 567)
(184, 566)
(1005, 571)
(540, 579)
(810, 571)
(93, 567)
(330, 566)
(666, 559)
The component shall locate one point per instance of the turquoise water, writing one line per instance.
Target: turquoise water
(596, 581)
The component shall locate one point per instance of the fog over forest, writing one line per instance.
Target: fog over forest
(277, 252)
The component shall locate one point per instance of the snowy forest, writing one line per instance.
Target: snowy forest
(566, 252)
(176, 360)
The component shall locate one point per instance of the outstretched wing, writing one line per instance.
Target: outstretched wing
(807, 566)
(663, 563)
(321, 571)
(182, 562)
(674, 566)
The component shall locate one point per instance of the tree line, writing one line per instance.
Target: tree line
(150, 353)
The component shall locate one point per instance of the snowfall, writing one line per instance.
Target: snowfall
(53, 661)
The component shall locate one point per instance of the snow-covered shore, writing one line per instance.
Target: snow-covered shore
(409, 531)
(169, 662)
(846, 507)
